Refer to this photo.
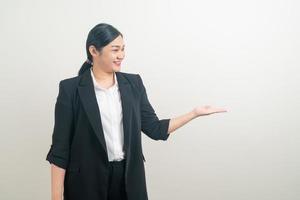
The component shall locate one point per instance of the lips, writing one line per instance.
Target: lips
(117, 63)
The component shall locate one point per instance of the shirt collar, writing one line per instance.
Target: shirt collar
(96, 85)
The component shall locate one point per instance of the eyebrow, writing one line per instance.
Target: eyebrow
(117, 46)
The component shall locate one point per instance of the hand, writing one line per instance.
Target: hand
(206, 110)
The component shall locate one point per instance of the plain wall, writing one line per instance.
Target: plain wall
(239, 55)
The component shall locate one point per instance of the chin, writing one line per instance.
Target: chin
(116, 69)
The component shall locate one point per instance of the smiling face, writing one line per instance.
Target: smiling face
(111, 56)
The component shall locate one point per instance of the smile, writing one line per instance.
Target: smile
(117, 63)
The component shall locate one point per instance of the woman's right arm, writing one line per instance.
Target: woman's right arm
(57, 182)
(58, 154)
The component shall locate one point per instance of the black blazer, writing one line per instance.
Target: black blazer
(78, 143)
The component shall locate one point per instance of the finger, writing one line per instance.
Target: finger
(222, 110)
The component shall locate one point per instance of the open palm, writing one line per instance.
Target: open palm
(207, 110)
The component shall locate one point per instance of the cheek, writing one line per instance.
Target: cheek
(108, 59)
(112, 57)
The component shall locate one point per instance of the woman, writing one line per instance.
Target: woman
(96, 151)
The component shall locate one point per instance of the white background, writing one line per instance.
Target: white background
(239, 55)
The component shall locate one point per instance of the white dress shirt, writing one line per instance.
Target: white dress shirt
(110, 107)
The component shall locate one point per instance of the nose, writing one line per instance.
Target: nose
(121, 56)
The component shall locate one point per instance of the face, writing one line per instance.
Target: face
(111, 56)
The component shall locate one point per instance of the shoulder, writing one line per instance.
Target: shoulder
(136, 80)
(130, 76)
(133, 77)
(70, 83)
(68, 86)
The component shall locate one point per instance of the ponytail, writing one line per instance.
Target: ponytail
(85, 66)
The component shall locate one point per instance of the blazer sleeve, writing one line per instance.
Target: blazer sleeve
(151, 125)
(61, 136)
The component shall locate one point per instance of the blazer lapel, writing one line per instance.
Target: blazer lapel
(88, 98)
(127, 100)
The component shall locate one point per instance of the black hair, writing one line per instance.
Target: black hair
(99, 36)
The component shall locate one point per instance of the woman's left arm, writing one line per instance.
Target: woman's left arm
(160, 129)
(181, 120)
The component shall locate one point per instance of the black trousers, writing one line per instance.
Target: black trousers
(116, 189)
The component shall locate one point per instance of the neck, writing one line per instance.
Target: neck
(103, 78)
(102, 75)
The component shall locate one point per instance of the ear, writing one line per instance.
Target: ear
(93, 51)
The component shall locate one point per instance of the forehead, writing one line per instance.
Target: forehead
(118, 42)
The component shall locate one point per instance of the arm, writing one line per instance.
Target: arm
(58, 154)
(179, 121)
(57, 182)
(151, 125)
(161, 129)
